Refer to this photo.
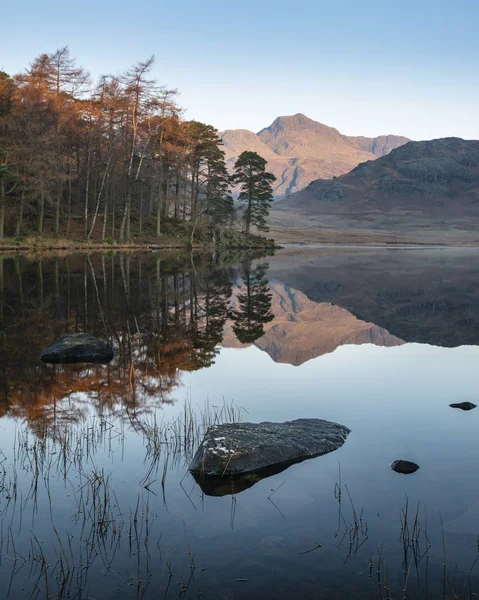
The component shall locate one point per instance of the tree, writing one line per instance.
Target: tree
(256, 192)
(141, 94)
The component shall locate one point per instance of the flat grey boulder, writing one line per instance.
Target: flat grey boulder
(78, 347)
(463, 405)
(237, 449)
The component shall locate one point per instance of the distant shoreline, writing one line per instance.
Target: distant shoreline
(302, 236)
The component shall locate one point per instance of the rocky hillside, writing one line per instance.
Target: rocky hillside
(300, 150)
(437, 179)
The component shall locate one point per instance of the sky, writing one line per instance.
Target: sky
(367, 68)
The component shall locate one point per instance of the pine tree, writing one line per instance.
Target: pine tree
(256, 192)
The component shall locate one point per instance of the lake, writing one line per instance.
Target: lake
(96, 500)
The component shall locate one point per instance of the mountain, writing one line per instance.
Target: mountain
(299, 150)
(416, 185)
(303, 329)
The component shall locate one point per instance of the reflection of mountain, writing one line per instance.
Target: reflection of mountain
(430, 296)
(303, 329)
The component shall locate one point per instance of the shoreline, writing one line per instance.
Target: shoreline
(77, 246)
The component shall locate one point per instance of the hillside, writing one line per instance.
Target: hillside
(300, 150)
(419, 184)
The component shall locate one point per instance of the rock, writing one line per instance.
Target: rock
(463, 405)
(243, 449)
(404, 466)
(78, 347)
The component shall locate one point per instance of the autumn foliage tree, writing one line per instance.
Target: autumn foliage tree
(111, 160)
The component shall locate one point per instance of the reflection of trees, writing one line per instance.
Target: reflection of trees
(254, 305)
(162, 316)
(210, 314)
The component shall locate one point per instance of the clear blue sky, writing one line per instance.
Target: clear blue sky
(366, 67)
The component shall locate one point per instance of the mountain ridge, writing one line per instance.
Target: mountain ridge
(299, 150)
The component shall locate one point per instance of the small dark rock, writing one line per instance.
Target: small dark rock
(463, 405)
(404, 466)
(78, 348)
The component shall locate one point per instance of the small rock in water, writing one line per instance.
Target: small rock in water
(404, 466)
(463, 405)
(78, 348)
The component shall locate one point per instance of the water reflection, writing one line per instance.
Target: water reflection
(170, 315)
(254, 305)
(163, 317)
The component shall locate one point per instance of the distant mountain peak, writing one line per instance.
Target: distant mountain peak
(295, 122)
(299, 150)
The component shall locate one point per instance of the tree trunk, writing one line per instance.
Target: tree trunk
(128, 219)
(140, 228)
(164, 190)
(98, 199)
(18, 228)
(56, 224)
(41, 212)
(177, 194)
(248, 215)
(2, 210)
(105, 213)
(69, 197)
(113, 216)
(125, 222)
(193, 195)
(87, 191)
(150, 204)
(158, 213)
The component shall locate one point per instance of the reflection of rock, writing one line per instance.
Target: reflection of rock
(463, 405)
(78, 347)
(404, 466)
(303, 329)
(225, 486)
(239, 449)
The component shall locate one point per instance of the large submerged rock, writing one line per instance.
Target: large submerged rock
(239, 449)
(78, 347)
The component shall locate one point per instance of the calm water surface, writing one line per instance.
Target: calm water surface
(96, 501)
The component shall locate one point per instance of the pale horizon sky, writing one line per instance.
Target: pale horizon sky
(377, 67)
